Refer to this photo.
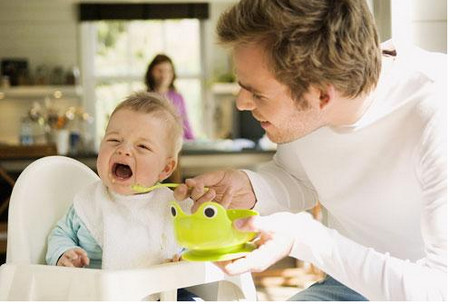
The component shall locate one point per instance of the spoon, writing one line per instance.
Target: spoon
(146, 189)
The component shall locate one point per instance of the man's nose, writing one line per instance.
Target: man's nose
(244, 100)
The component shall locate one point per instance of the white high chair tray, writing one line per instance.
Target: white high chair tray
(24, 282)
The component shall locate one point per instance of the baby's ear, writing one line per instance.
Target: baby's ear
(171, 164)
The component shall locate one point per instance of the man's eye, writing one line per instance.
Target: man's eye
(256, 96)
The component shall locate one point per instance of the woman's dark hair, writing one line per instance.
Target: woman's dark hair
(149, 81)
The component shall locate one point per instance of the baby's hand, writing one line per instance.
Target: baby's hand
(75, 257)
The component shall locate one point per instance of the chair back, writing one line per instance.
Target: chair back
(42, 194)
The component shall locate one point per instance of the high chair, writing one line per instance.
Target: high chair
(40, 197)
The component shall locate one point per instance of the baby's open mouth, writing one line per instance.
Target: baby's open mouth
(122, 171)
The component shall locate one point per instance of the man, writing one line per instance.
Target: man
(360, 128)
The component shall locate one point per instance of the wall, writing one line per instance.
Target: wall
(218, 61)
(429, 24)
(423, 23)
(382, 12)
(44, 31)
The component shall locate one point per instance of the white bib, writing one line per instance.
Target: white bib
(134, 231)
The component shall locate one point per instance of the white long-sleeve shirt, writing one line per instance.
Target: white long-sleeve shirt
(383, 183)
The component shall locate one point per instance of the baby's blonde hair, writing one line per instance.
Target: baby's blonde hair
(154, 103)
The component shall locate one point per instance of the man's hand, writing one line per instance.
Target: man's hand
(175, 258)
(231, 188)
(75, 257)
(274, 243)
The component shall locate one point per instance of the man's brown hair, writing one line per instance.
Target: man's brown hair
(309, 42)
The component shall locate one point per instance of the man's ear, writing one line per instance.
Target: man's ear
(171, 164)
(326, 96)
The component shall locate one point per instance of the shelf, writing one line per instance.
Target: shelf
(25, 92)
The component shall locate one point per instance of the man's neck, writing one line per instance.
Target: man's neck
(347, 111)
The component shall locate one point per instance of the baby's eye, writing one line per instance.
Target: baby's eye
(113, 140)
(144, 147)
(210, 211)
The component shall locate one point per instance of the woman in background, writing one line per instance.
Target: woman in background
(160, 78)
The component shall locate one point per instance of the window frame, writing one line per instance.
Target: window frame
(88, 39)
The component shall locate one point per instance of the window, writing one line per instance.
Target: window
(116, 55)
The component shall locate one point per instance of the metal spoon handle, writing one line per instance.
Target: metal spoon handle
(145, 189)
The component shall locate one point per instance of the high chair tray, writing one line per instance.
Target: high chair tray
(42, 282)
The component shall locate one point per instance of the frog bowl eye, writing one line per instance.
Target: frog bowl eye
(173, 211)
(210, 211)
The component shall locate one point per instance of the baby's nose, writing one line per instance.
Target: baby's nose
(124, 149)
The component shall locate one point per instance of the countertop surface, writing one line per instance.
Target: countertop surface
(24, 152)
(192, 161)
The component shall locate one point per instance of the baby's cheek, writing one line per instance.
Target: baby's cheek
(103, 172)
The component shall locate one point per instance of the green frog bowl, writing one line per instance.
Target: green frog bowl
(209, 235)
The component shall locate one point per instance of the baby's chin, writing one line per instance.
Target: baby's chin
(121, 189)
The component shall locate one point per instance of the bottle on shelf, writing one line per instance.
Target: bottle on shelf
(26, 132)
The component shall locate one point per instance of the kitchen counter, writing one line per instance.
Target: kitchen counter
(192, 162)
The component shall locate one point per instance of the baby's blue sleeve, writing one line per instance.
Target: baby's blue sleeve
(66, 235)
